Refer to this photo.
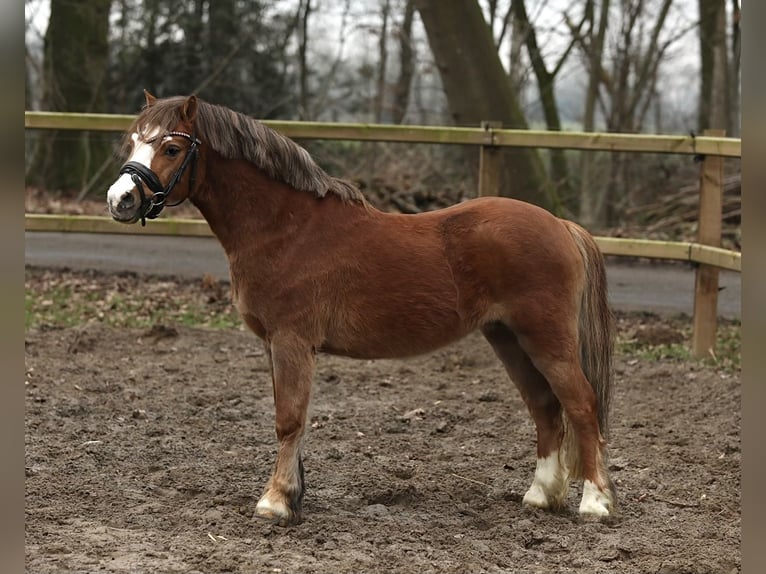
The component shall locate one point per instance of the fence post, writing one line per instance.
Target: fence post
(708, 233)
(489, 162)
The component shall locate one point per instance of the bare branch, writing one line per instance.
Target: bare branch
(568, 50)
(220, 67)
(504, 28)
(330, 77)
(651, 58)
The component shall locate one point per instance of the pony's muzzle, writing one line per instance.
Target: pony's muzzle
(122, 200)
(127, 202)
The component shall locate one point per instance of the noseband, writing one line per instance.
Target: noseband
(151, 207)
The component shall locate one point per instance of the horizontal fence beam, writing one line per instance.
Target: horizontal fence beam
(593, 141)
(618, 246)
(95, 224)
(72, 121)
(623, 247)
(673, 250)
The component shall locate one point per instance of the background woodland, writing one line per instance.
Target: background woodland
(629, 66)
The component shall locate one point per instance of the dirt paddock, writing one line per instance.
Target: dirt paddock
(146, 451)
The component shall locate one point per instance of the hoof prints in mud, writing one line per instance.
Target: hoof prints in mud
(174, 487)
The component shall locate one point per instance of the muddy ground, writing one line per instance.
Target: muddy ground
(147, 448)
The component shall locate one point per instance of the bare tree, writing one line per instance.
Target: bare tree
(734, 76)
(74, 78)
(477, 88)
(304, 10)
(494, 15)
(406, 65)
(546, 79)
(230, 52)
(719, 68)
(592, 198)
(624, 91)
(380, 92)
(33, 65)
(517, 71)
(320, 101)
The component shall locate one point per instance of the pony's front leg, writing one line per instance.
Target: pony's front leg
(292, 368)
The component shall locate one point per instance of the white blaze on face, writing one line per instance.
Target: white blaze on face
(143, 153)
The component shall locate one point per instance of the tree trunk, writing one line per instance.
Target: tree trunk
(478, 89)
(719, 113)
(195, 59)
(406, 66)
(153, 53)
(75, 66)
(380, 87)
(592, 197)
(734, 76)
(545, 84)
(221, 79)
(517, 70)
(303, 71)
(713, 65)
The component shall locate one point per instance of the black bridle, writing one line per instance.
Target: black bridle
(151, 207)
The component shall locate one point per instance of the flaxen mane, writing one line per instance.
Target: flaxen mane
(236, 136)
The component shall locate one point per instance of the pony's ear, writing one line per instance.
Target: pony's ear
(150, 99)
(189, 109)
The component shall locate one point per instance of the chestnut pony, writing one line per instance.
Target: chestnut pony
(314, 268)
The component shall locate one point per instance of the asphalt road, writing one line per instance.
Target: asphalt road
(665, 288)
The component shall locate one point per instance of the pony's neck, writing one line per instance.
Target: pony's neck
(243, 205)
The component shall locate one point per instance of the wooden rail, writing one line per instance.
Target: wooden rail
(711, 148)
(700, 145)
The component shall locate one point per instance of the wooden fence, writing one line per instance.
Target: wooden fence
(711, 148)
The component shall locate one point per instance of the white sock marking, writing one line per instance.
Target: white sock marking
(549, 487)
(266, 507)
(595, 501)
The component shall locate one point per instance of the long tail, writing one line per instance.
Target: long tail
(596, 325)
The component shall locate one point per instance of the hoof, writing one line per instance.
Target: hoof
(550, 486)
(535, 497)
(276, 513)
(595, 501)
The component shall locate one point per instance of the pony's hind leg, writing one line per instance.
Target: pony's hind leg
(553, 352)
(292, 366)
(551, 482)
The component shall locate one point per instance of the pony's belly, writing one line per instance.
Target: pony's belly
(394, 345)
(391, 331)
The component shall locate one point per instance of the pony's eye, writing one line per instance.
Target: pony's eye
(172, 151)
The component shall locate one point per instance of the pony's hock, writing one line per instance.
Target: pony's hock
(314, 267)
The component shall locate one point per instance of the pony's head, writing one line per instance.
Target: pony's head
(162, 155)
